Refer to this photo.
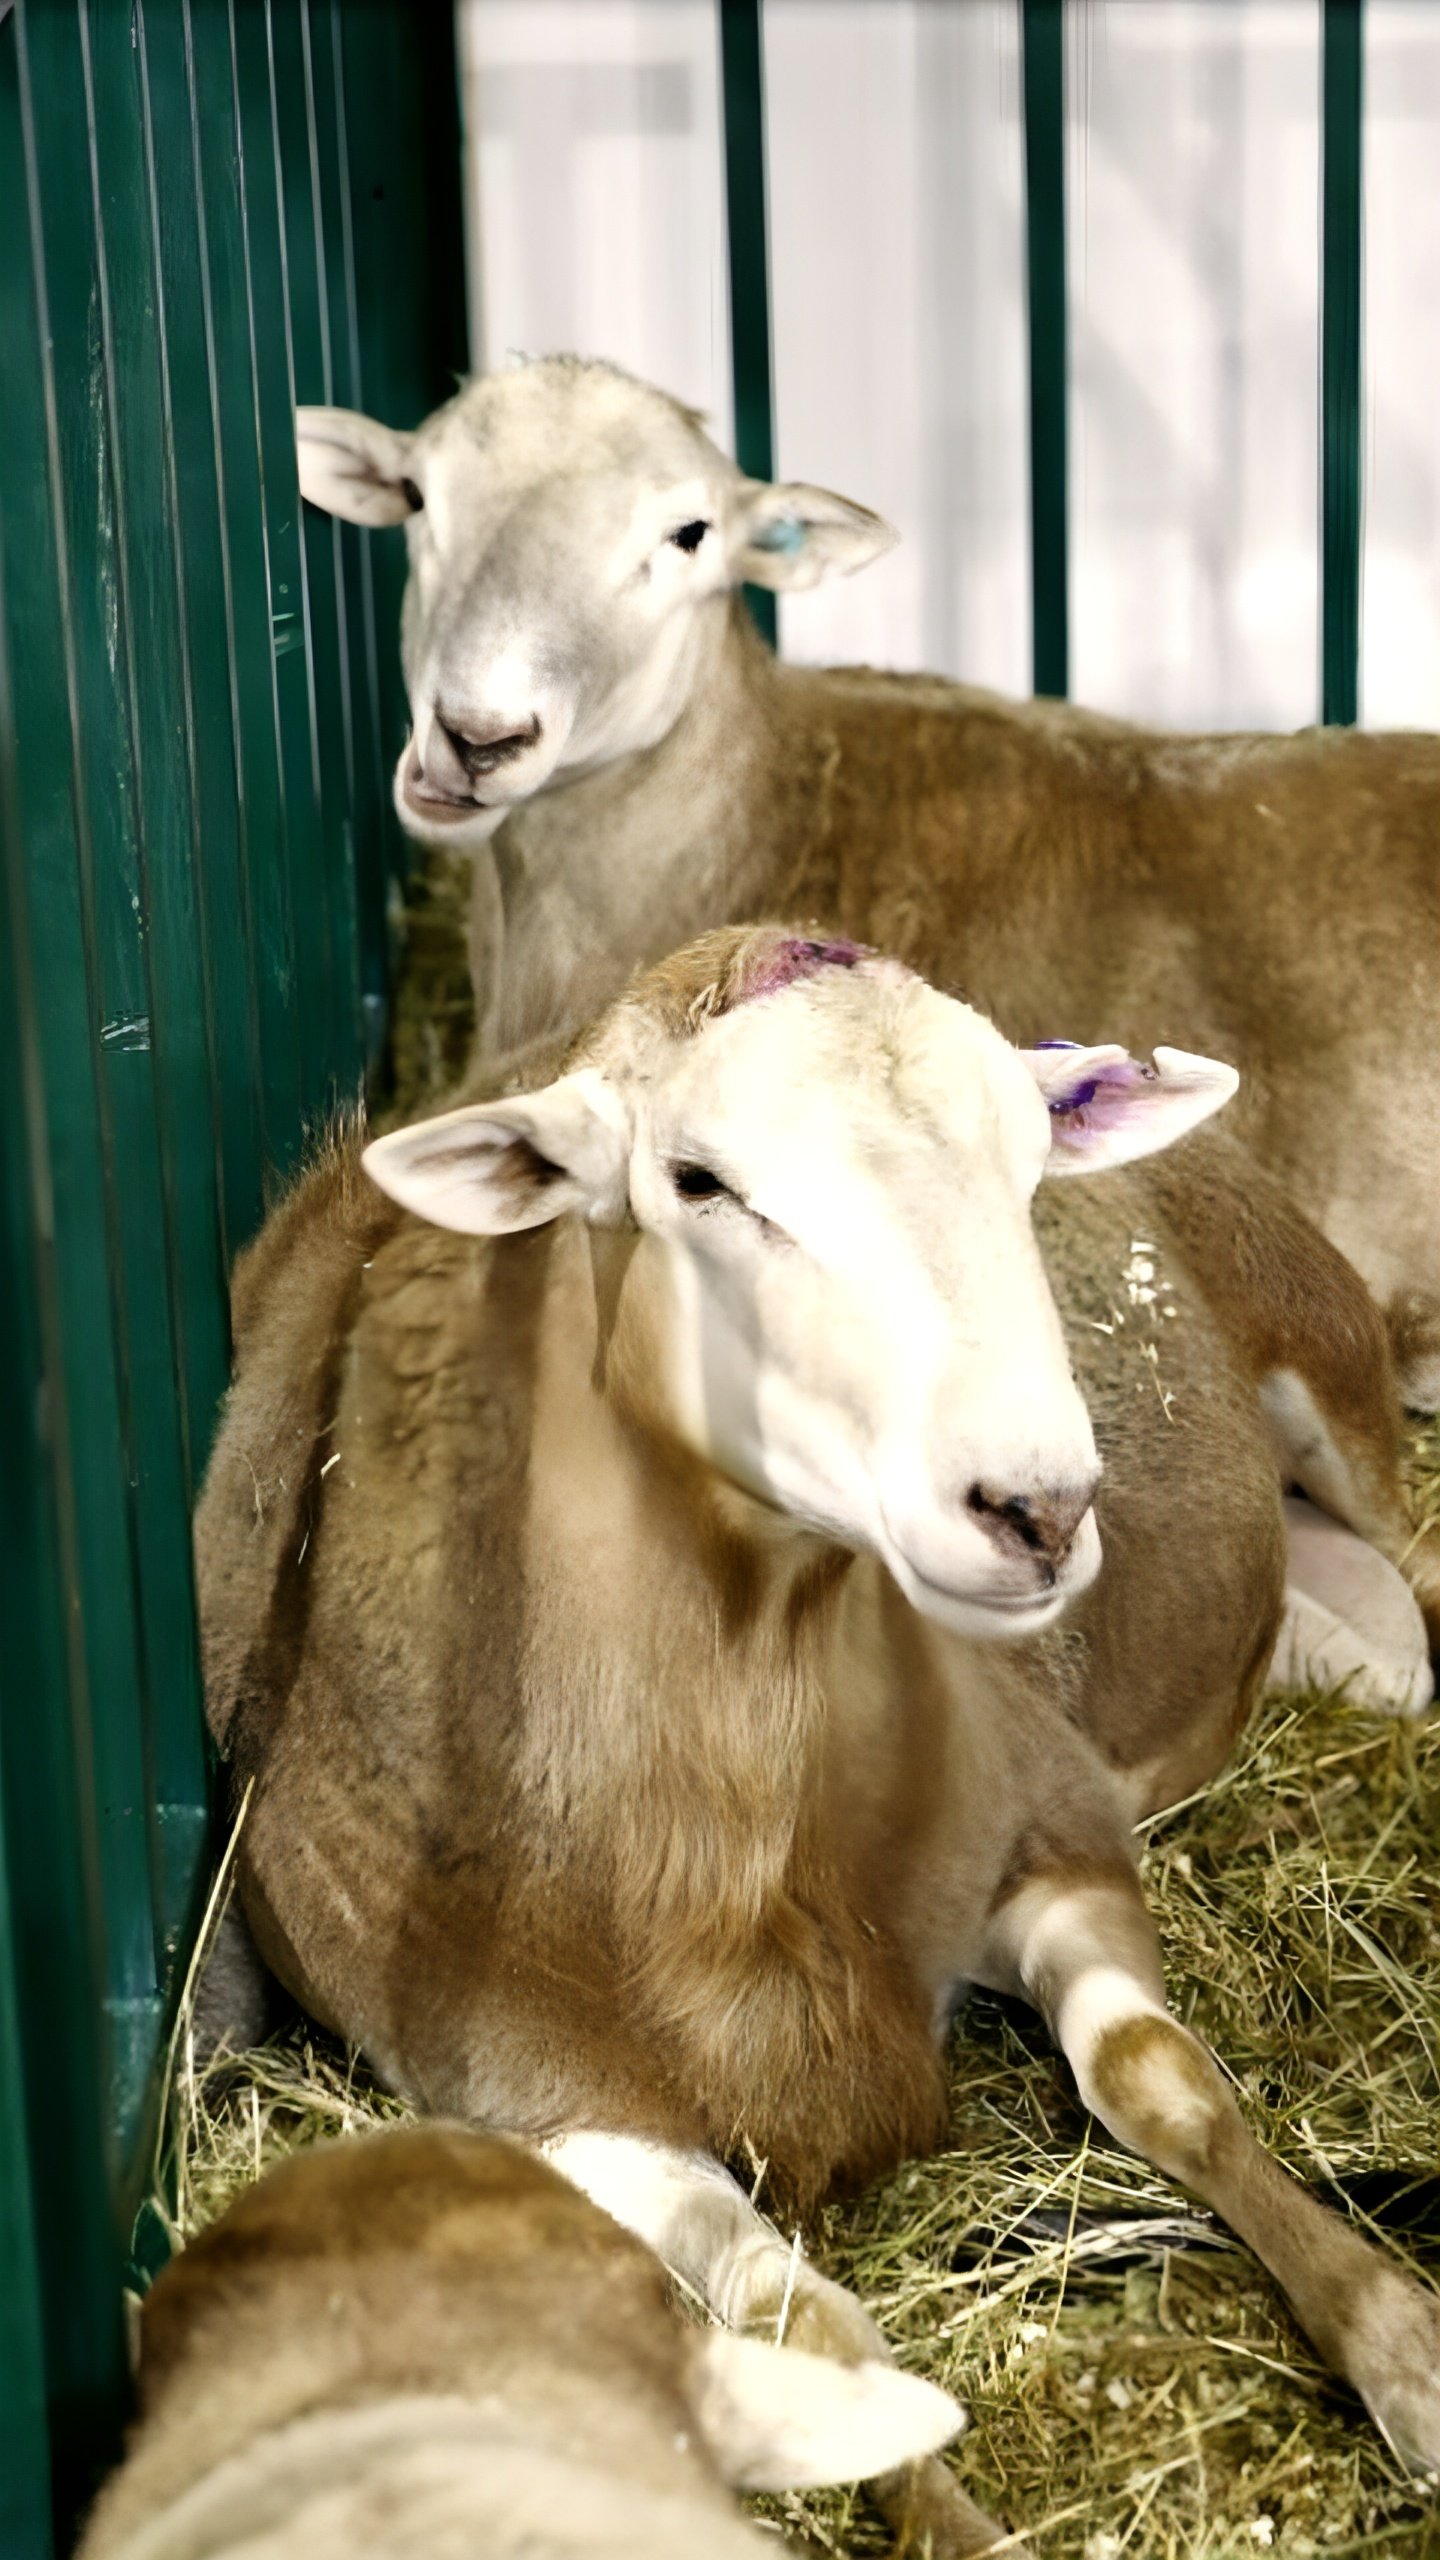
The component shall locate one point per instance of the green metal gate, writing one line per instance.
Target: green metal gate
(208, 210)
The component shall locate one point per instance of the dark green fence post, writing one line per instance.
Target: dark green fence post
(1340, 361)
(743, 85)
(1042, 37)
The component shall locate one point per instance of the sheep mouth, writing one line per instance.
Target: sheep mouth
(436, 807)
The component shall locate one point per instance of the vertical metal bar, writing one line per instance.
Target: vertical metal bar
(743, 90)
(230, 582)
(1042, 33)
(265, 249)
(201, 569)
(312, 379)
(244, 566)
(374, 817)
(1340, 360)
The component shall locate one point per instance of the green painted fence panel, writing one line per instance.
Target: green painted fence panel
(89, 995)
(197, 717)
(60, 2270)
(201, 569)
(260, 801)
(283, 549)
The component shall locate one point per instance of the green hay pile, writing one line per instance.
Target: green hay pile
(1129, 2393)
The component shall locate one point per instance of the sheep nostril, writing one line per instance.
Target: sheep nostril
(1041, 1524)
(481, 750)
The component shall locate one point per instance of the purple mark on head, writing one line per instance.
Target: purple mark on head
(794, 959)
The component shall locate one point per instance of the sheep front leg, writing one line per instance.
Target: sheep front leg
(1086, 1954)
(696, 2218)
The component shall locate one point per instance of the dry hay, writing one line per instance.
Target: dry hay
(432, 1009)
(1135, 2385)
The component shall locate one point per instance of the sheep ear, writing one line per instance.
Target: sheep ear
(775, 2418)
(495, 1167)
(788, 535)
(352, 466)
(1107, 1108)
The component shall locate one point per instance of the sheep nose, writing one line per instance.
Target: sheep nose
(482, 746)
(1040, 1523)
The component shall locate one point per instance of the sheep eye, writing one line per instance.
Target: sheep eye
(697, 1182)
(690, 536)
(412, 497)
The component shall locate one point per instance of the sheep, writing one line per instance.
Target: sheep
(426, 2341)
(649, 1567)
(597, 722)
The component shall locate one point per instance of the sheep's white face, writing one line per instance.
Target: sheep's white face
(571, 533)
(839, 1296)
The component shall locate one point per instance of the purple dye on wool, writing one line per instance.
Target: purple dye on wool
(796, 959)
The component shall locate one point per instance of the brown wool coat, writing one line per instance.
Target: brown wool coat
(579, 1805)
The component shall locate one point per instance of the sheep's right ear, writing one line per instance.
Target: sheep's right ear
(776, 2418)
(353, 467)
(494, 1167)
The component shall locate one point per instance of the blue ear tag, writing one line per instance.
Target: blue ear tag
(1054, 1044)
(785, 534)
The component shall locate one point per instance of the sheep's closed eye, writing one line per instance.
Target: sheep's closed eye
(697, 1182)
(688, 537)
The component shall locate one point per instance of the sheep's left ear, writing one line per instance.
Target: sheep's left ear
(786, 535)
(495, 1167)
(1107, 1107)
(353, 467)
(776, 2418)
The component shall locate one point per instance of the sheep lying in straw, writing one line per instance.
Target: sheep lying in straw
(605, 1803)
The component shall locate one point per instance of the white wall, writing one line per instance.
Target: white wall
(896, 230)
(595, 187)
(1400, 595)
(1193, 176)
